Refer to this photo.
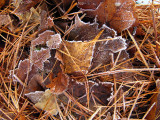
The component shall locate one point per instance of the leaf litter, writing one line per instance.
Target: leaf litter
(66, 72)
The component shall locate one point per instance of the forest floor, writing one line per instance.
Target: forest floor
(79, 60)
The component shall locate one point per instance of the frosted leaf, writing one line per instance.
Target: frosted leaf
(77, 57)
(35, 96)
(118, 14)
(115, 45)
(5, 20)
(47, 102)
(25, 66)
(35, 84)
(86, 31)
(54, 41)
(100, 92)
(42, 38)
(48, 39)
(39, 57)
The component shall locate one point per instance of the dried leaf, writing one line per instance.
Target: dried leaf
(77, 57)
(54, 42)
(26, 67)
(25, 10)
(86, 31)
(100, 92)
(5, 20)
(42, 38)
(118, 14)
(48, 103)
(44, 100)
(115, 45)
(39, 57)
(35, 96)
(53, 62)
(32, 16)
(104, 51)
(45, 21)
(26, 73)
(103, 91)
(25, 5)
(59, 83)
(35, 84)
(125, 76)
(104, 61)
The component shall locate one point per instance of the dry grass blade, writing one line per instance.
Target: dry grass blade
(125, 70)
(144, 60)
